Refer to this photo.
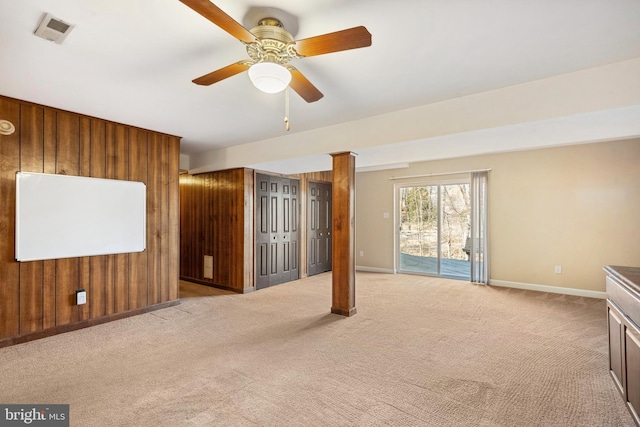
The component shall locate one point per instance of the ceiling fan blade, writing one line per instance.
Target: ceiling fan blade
(303, 87)
(351, 38)
(216, 15)
(222, 73)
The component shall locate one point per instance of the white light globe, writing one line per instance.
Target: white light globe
(269, 77)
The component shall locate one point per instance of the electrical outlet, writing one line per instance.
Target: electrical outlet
(81, 297)
(361, 253)
(558, 269)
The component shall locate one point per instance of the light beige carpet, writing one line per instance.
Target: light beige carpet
(420, 352)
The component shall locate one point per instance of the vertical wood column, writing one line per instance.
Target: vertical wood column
(343, 229)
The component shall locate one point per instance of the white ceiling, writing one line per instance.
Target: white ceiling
(132, 61)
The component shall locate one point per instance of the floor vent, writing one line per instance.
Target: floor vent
(53, 29)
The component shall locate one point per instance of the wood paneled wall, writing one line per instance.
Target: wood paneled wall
(216, 219)
(37, 298)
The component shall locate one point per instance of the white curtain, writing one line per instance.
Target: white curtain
(479, 253)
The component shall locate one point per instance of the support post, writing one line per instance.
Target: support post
(343, 230)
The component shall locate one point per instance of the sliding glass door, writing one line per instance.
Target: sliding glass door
(435, 229)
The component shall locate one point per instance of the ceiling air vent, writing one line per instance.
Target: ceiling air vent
(53, 29)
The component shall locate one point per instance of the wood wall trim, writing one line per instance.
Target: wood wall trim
(84, 324)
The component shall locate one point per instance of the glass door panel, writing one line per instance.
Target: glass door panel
(455, 229)
(434, 228)
(419, 229)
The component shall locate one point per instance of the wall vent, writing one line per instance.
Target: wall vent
(208, 267)
(53, 29)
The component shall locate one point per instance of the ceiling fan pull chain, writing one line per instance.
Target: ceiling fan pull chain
(286, 110)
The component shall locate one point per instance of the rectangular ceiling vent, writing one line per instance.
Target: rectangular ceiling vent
(53, 29)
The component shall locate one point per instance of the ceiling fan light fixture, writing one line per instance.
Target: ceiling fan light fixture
(269, 77)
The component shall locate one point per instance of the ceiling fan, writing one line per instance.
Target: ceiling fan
(271, 47)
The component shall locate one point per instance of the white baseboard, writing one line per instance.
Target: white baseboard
(508, 284)
(550, 289)
(375, 269)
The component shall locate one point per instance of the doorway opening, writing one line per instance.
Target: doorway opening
(319, 227)
(434, 235)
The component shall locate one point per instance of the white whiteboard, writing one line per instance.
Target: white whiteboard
(62, 216)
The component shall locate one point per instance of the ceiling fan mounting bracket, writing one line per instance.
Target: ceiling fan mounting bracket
(273, 22)
(273, 43)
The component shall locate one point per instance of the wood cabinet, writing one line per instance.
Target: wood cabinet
(616, 332)
(623, 318)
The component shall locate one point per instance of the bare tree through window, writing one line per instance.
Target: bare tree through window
(429, 212)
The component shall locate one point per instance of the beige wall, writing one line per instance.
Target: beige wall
(574, 206)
